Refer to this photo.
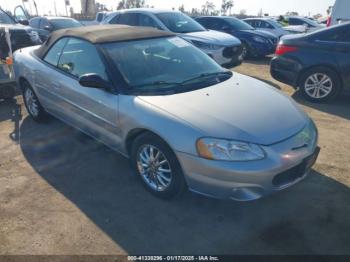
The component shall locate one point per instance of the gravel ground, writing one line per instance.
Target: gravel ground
(63, 193)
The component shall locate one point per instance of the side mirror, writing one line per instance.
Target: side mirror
(48, 28)
(23, 22)
(93, 81)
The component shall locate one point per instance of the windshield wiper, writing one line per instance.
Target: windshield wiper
(157, 83)
(205, 75)
(166, 83)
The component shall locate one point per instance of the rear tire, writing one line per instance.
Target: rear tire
(320, 84)
(32, 104)
(245, 51)
(157, 166)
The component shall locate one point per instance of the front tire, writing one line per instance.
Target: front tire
(32, 104)
(157, 166)
(320, 84)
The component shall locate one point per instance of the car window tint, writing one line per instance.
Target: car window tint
(293, 21)
(203, 21)
(215, 24)
(99, 17)
(55, 52)
(128, 19)
(265, 25)
(79, 57)
(43, 23)
(146, 20)
(114, 20)
(34, 22)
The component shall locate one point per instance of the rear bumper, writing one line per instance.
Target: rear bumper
(285, 70)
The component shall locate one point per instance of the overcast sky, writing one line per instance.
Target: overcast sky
(273, 7)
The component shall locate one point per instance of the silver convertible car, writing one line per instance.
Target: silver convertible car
(181, 119)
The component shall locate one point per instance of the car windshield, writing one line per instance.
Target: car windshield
(5, 18)
(179, 23)
(275, 23)
(310, 22)
(64, 23)
(164, 64)
(238, 24)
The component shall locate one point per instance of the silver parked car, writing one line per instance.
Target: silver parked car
(224, 48)
(271, 25)
(184, 121)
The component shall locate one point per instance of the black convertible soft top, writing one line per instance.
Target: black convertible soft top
(103, 34)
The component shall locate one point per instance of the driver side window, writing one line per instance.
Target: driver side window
(80, 57)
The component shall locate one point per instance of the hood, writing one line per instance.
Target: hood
(241, 108)
(212, 37)
(259, 33)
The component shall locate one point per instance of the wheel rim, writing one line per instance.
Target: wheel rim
(244, 51)
(318, 85)
(154, 168)
(31, 102)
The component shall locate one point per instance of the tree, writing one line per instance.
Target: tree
(226, 6)
(195, 12)
(292, 13)
(126, 4)
(243, 13)
(208, 8)
(182, 8)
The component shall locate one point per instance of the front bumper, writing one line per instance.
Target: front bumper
(262, 49)
(227, 57)
(245, 181)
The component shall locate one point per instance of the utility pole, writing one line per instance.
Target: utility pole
(66, 3)
(36, 8)
(54, 3)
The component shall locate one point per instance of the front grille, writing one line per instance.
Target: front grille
(20, 39)
(289, 176)
(232, 51)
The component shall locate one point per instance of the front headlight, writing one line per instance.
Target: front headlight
(228, 150)
(259, 39)
(206, 46)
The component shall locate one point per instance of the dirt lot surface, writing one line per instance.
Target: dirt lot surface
(63, 193)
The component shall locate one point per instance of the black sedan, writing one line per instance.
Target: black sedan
(317, 63)
(46, 25)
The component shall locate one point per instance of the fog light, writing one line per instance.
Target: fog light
(246, 193)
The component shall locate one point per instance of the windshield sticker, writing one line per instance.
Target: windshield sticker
(179, 42)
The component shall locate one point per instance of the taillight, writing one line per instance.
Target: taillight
(283, 49)
(329, 21)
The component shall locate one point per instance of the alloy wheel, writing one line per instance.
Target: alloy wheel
(154, 168)
(31, 102)
(318, 85)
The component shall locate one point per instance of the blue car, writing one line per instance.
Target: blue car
(254, 43)
(317, 64)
